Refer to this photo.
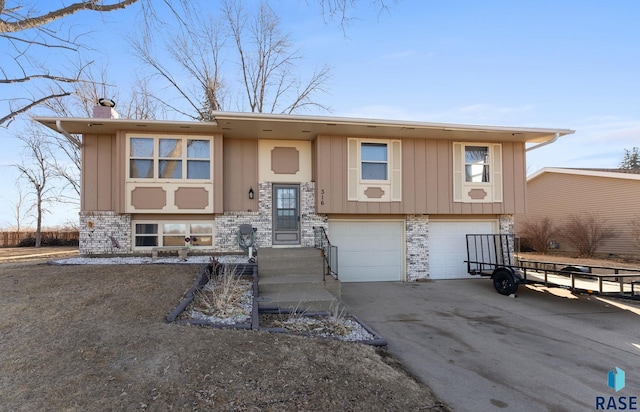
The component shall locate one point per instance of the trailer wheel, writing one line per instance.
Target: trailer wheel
(504, 283)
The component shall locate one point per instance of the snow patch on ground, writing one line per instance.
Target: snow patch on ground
(140, 260)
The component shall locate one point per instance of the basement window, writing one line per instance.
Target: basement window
(159, 234)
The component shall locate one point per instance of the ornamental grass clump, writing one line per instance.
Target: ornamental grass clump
(223, 294)
(334, 324)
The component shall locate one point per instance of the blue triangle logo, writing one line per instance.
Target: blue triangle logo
(616, 379)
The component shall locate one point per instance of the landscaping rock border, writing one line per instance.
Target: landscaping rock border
(376, 341)
(251, 269)
(248, 269)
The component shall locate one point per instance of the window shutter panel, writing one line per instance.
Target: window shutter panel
(496, 164)
(458, 172)
(352, 169)
(396, 171)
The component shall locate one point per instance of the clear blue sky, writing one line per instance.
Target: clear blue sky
(571, 64)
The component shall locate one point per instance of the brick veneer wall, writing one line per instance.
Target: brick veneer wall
(308, 217)
(417, 247)
(227, 224)
(226, 230)
(506, 224)
(104, 232)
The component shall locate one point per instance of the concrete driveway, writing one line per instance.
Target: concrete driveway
(546, 350)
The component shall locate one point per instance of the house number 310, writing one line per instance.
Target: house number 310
(322, 197)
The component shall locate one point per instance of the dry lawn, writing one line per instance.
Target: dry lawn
(30, 254)
(79, 338)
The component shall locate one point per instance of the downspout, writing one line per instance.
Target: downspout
(556, 137)
(67, 134)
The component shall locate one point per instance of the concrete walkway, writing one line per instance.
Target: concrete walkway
(546, 350)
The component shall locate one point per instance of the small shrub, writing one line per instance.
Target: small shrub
(52, 241)
(586, 233)
(27, 242)
(538, 233)
(47, 241)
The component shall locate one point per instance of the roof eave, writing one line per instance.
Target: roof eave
(261, 125)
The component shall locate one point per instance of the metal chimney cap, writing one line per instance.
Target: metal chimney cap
(106, 102)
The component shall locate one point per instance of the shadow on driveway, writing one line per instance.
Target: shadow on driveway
(547, 349)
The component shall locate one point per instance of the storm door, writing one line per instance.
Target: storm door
(286, 214)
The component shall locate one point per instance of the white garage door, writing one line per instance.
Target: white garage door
(368, 251)
(448, 247)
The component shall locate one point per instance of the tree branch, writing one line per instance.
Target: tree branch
(33, 22)
(39, 76)
(14, 113)
(37, 43)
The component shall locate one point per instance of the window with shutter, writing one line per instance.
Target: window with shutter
(477, 172)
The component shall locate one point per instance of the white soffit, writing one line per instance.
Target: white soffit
(274, 126)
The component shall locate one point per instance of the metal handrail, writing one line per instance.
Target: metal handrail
(330, 252)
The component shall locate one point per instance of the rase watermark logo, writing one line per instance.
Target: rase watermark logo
(616, 381)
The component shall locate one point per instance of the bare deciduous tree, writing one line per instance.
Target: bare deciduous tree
(538, 233)
(339, 9)
(19, 201)
(586, 233)
(38, 172)
(80, 104)
(23, 34)
(196, 49)
(265, 59)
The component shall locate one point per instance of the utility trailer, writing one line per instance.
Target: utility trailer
(493, 256)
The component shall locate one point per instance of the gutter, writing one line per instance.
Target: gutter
(66, 134)
(553, 139)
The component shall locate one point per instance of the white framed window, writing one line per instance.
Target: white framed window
(167, 233)
(169, 158)
(477, 172)
(374, 170)
(374, 161)
(476, 164)
(146, 235)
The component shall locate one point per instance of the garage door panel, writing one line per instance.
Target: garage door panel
(368, 251)
(448, 247)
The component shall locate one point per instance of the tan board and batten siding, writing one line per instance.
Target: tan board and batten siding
(614, 199)
(106, 173)
(240, 174)
(427, 175)
(103, 184)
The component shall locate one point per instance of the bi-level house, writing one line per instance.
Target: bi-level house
(396, 197)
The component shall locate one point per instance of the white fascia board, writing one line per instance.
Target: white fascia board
(584, 172)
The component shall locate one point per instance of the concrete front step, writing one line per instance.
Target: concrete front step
(299, 283)
(290, 261)
(312, 300)
(285, 267)
(288, 252)
(292, 277)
